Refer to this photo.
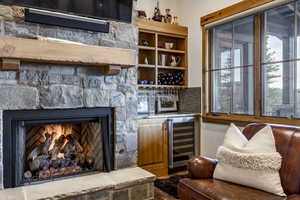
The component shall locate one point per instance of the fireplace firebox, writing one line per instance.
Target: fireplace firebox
(45, 145)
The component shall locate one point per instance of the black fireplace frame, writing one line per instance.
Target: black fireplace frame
(13, 121)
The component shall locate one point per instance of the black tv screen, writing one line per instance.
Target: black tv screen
(120, 10)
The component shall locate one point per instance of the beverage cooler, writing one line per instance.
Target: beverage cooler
(182, 141)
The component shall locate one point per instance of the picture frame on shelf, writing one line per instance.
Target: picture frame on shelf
(143, 104)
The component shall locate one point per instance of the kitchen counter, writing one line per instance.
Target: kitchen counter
(168, 115)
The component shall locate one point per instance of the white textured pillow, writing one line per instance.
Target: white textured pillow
(254, 163)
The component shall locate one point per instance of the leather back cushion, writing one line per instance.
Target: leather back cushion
(287, 140)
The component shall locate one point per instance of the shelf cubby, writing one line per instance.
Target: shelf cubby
(147, 36)
(179, 43)
(147, 74)
(150, 55)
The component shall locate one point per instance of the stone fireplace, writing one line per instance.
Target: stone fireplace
(45, 145)
(58, 90)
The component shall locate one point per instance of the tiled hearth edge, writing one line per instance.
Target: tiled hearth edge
(124, 184)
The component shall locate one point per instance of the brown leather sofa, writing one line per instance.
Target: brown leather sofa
(201, 185)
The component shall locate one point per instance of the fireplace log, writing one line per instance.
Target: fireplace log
(55, 172)
(62, 170)
(34, 165)
(28, 175)
(54, 163)
(42, 149)
(44, 162)
(60, 142)
(54, 152)
(44, 174)
(39, 162)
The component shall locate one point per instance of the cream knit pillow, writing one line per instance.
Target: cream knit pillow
(254, 163)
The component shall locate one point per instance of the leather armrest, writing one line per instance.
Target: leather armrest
(201, 167)
(294, 197)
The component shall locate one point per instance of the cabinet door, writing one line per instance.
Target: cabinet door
(153, 146)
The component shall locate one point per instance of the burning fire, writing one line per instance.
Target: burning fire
(57, 131)
(61, 155)
(58, 152)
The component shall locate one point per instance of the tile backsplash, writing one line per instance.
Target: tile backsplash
(190, 100)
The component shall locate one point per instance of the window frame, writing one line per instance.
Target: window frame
(207, 92)
(211, 70)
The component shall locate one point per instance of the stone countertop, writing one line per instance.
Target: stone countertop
(169, 115)
(76, 186)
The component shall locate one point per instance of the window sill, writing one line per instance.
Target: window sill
(243, 120)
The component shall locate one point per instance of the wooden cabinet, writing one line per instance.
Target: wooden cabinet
(157, 68)
(153, 146)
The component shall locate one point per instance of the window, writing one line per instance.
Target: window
(232, 67)
(237, 79)
(279, 62)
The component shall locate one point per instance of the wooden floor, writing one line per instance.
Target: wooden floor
(161, 195)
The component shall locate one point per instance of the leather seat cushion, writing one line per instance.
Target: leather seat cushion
(220, 190)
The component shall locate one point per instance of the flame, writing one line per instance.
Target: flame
(56, 131)
(61, 155)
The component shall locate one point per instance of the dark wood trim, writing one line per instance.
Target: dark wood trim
(209, 63)
(232, 10)
(204, 81)
(257, 66)
(242, 120)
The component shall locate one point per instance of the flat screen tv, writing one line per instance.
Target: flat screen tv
(119, 10)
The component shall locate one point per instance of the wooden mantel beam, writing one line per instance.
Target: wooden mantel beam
(232, 10)
(31, 50)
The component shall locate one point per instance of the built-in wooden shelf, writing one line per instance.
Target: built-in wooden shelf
(146, 66)
(169, 67)
(171, 51)
(148, 25)
(109, 60)
(147, 48)
(157, 35)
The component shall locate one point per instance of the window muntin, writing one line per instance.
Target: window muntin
(232, 67)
